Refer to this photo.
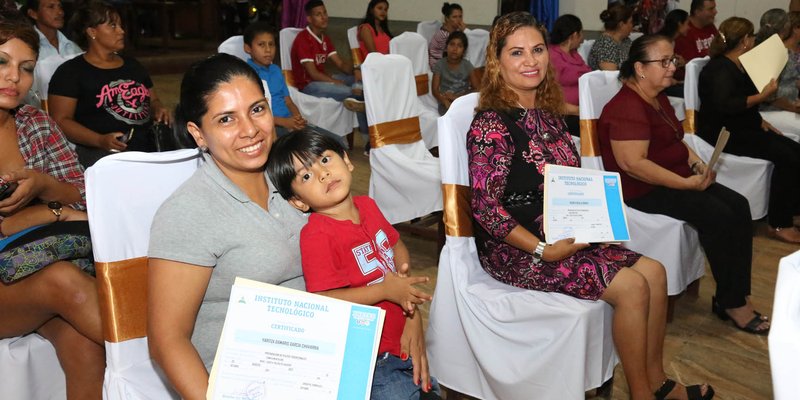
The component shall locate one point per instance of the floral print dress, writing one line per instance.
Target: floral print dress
(507, 191)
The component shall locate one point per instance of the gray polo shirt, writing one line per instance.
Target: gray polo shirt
(210, 222)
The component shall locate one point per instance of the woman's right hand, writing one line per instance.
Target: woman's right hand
(111, 142)
(699, 182)
(562, 249)
(769, 90)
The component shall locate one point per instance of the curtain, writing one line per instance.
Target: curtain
(546, 11)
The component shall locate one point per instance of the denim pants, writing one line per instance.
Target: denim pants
(339, 93)
(394, 380)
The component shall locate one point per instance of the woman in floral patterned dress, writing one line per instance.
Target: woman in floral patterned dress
(517, 130)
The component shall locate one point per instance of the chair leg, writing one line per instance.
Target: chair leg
(694, 288)
(350, 140)
(671, 300)
(450, 394)
(606, 390)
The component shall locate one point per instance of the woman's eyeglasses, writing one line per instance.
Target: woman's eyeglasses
(665, 62)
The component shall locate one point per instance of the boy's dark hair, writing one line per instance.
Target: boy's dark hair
(255, 29)
(312, 5)
(304, 145)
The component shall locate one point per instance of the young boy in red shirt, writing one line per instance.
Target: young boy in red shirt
(351, 252)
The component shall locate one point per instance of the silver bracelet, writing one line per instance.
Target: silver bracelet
(538, 252)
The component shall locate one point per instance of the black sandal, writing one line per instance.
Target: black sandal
(694, 392)
(750, 327)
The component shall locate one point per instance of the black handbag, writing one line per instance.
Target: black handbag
(167, 139)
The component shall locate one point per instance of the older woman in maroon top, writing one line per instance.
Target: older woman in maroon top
(641, 138)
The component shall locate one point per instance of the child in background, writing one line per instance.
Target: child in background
(350, 252)
(453, 75)
(260, 44)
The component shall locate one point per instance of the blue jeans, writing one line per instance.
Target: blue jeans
(394, 380)
(339, 93)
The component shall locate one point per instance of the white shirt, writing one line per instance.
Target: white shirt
(66, 48)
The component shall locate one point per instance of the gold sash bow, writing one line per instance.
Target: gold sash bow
(688, 123)
(122, 290)
(289, 77)
(422, 84)
(457, 211)
(402, 131)
(590, 143)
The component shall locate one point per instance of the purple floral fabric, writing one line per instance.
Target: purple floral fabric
(491, 151)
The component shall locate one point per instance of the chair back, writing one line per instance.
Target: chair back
(234, 46)
(784, 348)
(405, 178)
(123, 192)
(478, 42)
(286, 39)
(355, 50)
(691, 97)
(595, 90)
(428, 28)
(414, 47)
(584, 48)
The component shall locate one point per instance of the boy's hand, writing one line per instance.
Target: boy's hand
(400, 290)
(298, 122)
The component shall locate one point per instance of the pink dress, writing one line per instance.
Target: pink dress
(381, 42)
(569, 67)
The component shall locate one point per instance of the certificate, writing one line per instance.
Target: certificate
(585, 204)
(280, 343)
(765, 61)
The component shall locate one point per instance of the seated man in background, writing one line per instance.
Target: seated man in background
(697, 40)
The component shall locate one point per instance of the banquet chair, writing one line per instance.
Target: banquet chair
(404, 176)
(784, 348)
(670, 241)
(748, 176)
(30, 369)
(415, 48)
(584, 49)
(428, 28)
(491, 340)
(476, 53)
(234, 46)
(355, 51)
(136, 183)
(326, 113)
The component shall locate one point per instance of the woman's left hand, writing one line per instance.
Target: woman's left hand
(412, 343)
(29, 186)
(767, 127)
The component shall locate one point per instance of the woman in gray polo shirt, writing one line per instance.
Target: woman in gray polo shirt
(225, 221)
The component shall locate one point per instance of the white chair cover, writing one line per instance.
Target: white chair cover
(584, 48)
(785, 121)
(750, 177)
(234, 46)
(352, 40)
(404, 179)
(414, 47)
(324, 112)
(784, 347)
(494, 341)
(635, 35)
(30, 369)
(136, 183)
(428, 28)
(672, 242)
(478, 42)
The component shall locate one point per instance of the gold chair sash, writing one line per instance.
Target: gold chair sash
(45, 106)
(289, 77)
(356, 55)
(457, 212)
(689, 123)
(402, 131)
(590, 143)
(422, 84)
(122, 290)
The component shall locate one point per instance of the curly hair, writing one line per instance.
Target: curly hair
(495, 93)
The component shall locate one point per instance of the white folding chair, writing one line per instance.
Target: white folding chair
(234, 46)
(123, 192)
(326, 113)
(414, 47)
(672, 242)
(494, 341)
(584, 48)
(750, 177)
(404, 177)
(478, 42)
(784, 348)
(30, 369)
(428, 28)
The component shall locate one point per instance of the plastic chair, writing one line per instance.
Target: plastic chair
(494, 341)
(136, 183)
(750, 177)
(404, 178)
(584, 49)
(326, 113)
(428, 28)
(784, 348)
(414, 47)
(672, 242)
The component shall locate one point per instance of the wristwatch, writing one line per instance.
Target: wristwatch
(538, 252)
(56, 208)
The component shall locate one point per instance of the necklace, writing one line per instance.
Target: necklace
(545, 135)
(661, 113)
